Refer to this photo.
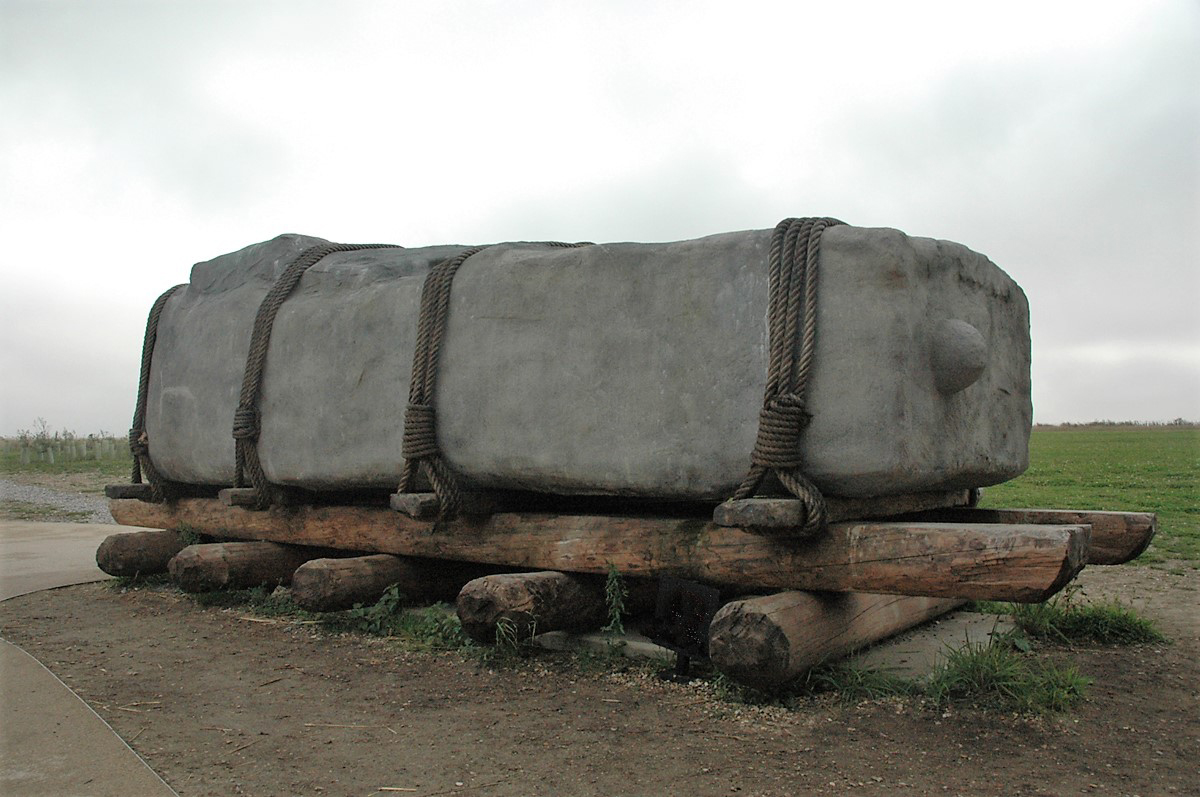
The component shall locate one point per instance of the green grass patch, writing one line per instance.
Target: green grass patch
(996, 676)
(853, 683)
(1121, 468)
(993, 676)
(24, 510)
(429, 628)
(1065, 619)
(152, 581)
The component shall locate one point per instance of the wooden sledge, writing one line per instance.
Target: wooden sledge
(883, 566)
(959, 558)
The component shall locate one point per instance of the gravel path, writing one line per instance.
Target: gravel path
(95, 506)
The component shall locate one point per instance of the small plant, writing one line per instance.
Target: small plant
(507, 640)
(381, 619)
(432, 628)
(512, 642)
(188, 535)
(139, 581)
(615, 593)
(222, 598)
(853, 683)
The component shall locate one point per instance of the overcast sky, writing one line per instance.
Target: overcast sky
(1060, 139)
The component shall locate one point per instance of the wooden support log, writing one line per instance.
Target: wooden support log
(535, 603)
(236, 565)
(775, 514)
(768, 641)
(141, 492)
(326, 585)
(138, 553)
(1025, 563)
(1117, 537)
(531, 602)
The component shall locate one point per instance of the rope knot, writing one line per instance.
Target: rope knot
(420, 432)
(780, 424)
(246, 424)
(139, 443)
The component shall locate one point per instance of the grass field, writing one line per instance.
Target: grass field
(1137, 469)
(83, 474)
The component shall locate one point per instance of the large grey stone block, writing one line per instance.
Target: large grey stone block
(628, 369)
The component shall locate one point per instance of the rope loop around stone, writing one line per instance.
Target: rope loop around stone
(246, 424)
(139, 443)
(139, 440)
(780, 424)
(247, 421)
(420, 448)
(420, 432)
(791, 322)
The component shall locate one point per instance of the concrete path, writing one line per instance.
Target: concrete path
(51, 742)
(37, 556)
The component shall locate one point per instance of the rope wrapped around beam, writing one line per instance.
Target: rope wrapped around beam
(792, 315)
(420, 446)
(247, 419)
(139, 441)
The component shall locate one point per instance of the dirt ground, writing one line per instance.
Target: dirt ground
(220, 704)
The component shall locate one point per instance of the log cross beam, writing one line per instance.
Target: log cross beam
(1016, 562)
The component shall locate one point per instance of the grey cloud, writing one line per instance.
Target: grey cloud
(126, 77)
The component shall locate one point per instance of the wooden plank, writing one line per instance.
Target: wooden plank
(766, 642)
(141, 492)
(238, 496)
(1117, 537)
(426, 506)
(971, 561)
(782, 513)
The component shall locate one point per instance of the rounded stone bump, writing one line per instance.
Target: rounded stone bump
(959, 355)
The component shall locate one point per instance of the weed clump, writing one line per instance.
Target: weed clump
(853, 683)
(1110, 623)
(1065, 619)
(995, 675)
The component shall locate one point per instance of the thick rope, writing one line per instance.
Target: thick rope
(792, 289)
(139, 441)
(420, 448)
(246, 420)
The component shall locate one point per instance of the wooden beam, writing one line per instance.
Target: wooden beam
(426, 506)
(236, 565)
(970, 561)
(768, 641)
(138, 553)
(142, 492)
(238, 496)
(1117, 537)
(772, 514)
